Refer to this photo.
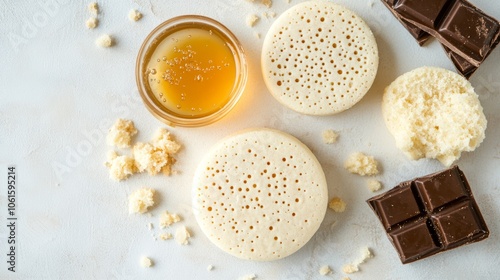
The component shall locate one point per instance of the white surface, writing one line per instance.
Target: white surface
(60, 93)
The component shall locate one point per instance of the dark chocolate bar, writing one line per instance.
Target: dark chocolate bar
(429, 12)
(431, 214)
(417, 33)
(457, 24)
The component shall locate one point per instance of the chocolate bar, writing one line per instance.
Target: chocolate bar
(467, 34)
(431, 214)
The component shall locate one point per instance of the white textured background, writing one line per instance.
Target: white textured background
(60, 93)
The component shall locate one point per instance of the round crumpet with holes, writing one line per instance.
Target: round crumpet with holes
(319, 58)
(260, 195)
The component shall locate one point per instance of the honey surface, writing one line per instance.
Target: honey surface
(192, 72)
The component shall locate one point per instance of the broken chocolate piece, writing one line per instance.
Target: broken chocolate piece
(430, 214)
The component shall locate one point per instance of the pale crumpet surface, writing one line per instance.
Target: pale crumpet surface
(260, 195)
(319, 58)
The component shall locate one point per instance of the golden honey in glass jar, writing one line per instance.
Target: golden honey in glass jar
(193, 72)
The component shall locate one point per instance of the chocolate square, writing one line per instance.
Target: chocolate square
(413, 241)
(469, 30)
(436, 191)
(458, 225)
(430, 214)
(424, 11)
(397, 207)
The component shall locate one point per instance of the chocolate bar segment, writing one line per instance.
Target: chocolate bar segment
(427, 12)
(430, 214)
(414, 241)
(462, 65)
(445, 13)
(457, 24)
(417, 33)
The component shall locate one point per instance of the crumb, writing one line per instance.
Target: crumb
(154, 238)
(164, 140)
(157, 156)
(150, 158)
(120, 167)
(337, 204)
(165, 236)
(120, 134)
(267, 3)
(150, 215)
(150, 226)
(329, 136)
(166, 219)
(264, 14)
(370, 3)
(93, 8)
(361, 164)
(346, 278)
(366, 254)
(374, 185)
(140, 200)
(248, 277)
(350, 268)
(91, 23)
(210, 267)
(146, 262)
(256, 35)
(134, 15)
(105, 41)
(325, 270)
(287, 1)
(182, 235)
(252, 20)
(272, 14)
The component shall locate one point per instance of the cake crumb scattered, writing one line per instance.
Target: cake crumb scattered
(365, 255)
(271, 14)
(157, 156)
(165, 236)
(370, 3)
(346, 278)
(329, 136)
(140, 200)
(374, 185)
(146, 262)
(267, 3)
(182, 235)
(325, 270)
(256, 35)
(134, 15)
(105, 41)
(248, 277)
(337, 204)
(91, 23)
(288, 1)
(150, 226)
(120, 134)
(361, 164)
(350, 268)
(252, 19)
(93, 8)
(166, 219)
(210, 267)
(120, 167)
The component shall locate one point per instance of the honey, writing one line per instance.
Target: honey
(192, 72)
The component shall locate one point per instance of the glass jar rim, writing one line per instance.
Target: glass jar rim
(239, 58)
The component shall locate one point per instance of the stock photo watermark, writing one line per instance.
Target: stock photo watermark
(94, 136)
(31, 25)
